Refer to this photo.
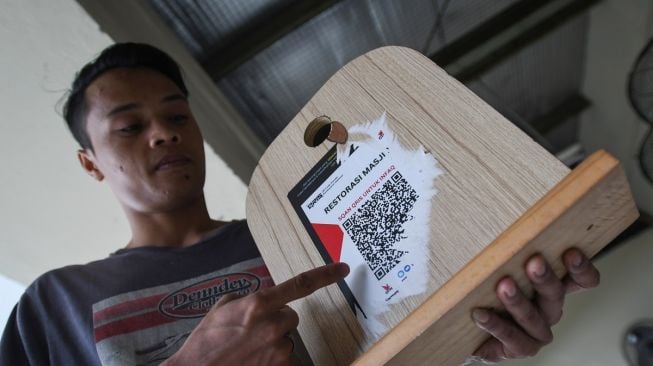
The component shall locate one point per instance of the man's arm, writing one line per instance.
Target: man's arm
(23, 340)
(12, 350)
(253, 330)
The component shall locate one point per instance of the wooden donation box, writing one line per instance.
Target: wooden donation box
(431, 197)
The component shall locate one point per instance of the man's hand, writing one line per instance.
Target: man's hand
(253, 330)
(530, 326)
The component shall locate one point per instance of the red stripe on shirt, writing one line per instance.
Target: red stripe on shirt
(126, 308)
(131, 324)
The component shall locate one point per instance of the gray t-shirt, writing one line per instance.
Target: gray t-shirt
(135, 307)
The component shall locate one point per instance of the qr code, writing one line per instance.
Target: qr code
(377, 225)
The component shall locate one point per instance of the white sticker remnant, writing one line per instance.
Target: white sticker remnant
(372, 212)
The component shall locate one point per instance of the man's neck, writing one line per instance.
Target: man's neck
(178, 228)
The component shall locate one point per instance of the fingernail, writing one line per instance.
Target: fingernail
(510, 291)
(539, 271)
(342, 269)
(480, 315)
(578, 261)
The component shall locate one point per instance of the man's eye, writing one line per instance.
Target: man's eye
(133, 128)
(179, 118)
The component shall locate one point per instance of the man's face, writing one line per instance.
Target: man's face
(146, 142)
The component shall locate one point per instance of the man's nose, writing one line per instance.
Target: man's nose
(164, 133)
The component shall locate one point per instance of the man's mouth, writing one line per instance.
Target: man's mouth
(171, 161)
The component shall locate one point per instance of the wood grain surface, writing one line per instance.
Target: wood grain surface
(588, 209)
(493, 175)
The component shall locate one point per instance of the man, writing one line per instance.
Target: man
(187, 289)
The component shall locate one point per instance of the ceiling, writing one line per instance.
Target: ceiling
(269, 73)
(541, 63)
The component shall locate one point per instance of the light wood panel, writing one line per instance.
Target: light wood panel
(493, 174)
(588, 209)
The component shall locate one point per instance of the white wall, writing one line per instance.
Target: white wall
(618, 32)
(51, 213)
(11, 292)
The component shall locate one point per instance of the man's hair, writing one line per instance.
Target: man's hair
(130, 55)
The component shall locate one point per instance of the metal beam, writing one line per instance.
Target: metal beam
(256, 38)
(505, 34)
(486, 31)
(570, 107)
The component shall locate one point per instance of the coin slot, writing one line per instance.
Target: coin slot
(323, 128)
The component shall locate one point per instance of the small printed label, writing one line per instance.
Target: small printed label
(367, 203)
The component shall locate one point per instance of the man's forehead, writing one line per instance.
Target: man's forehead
(128, 85)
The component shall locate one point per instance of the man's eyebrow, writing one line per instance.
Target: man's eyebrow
(123, 108)
(130, 106)
(173, 97)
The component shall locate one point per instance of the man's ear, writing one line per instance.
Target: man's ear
(86, 160)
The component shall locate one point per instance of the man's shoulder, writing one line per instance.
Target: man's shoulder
(61, 278)
(134, 265)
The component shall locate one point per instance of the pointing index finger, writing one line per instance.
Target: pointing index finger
(305, 284)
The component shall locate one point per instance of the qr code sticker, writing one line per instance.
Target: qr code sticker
(377, 226)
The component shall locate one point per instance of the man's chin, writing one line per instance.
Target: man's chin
(170, 200)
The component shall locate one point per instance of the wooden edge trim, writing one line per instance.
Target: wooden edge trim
(534, 221)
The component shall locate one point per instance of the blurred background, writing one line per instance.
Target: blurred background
(575, 75)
